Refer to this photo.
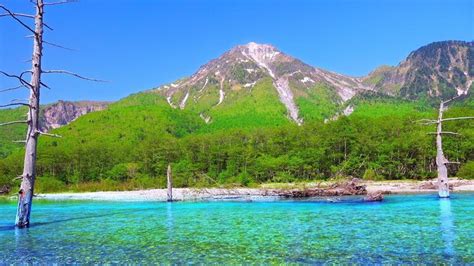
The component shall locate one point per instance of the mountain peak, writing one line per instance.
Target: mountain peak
(258, 46)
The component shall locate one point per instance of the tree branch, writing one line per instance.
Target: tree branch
(72, 74)
(25, 16)
(444, 132)
(52, 44)
(58, 46)
(22, 81)
(60, 2)
(17, 19)
(18, 177)
(31, 72)
(12, 88)
(17, 15)
(48, 134)
(14, 122)
(14, 104)
(457, 118)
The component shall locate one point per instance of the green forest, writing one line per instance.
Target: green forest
(129, 145)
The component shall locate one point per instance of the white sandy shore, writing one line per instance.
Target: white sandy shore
(192, 194)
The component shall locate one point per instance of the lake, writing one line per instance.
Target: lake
(402, 229)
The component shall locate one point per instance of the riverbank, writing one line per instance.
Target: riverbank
(268, 191)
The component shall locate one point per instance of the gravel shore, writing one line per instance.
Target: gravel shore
(195, 194)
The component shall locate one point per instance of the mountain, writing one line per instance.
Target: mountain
(63, 112)
(437, 70)
(256, 115)
(238, 72)
(258, 86)
(52, 116)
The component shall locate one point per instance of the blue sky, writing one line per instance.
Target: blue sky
(140, 44)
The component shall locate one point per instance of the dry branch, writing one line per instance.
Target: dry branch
(12, 88)
(20, 79)
(457, 118)
(72, 74)
(58, 46)
(60, 2)
(17, 19)
(14, 104)
(14, 122)
(48, 134)
(444, 132)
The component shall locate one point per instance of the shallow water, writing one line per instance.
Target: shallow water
(402, 229)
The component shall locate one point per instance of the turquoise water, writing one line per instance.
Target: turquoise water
(403, 229)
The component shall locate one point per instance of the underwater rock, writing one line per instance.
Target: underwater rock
(374, 196)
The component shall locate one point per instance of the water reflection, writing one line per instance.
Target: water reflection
(447, 226)
(169, 220)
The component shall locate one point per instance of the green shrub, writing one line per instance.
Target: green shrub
(371, 174)
(44, 184)
(123, 171)
(467, 170)
(145, 181)
(283, 177)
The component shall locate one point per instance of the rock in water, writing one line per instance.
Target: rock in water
(374, 196)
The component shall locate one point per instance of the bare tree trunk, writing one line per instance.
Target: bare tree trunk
(169, 179)
(443, 187)
(25, 196)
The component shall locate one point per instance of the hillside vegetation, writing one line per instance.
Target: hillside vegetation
(256, 115)
(130, 145)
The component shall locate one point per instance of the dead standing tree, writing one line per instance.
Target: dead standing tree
(25, 194)
(441, 161)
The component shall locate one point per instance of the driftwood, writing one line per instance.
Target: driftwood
(5, 190)
(348, 188)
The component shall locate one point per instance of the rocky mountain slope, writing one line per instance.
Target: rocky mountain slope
(440, 69)
(243, 67)
(63, 112)
(52, 116)
(257, 86)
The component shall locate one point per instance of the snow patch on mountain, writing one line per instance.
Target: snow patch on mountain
(348, 110)
(205, 83)
(286, 97)
(168, 99)
(221, 96)
(207, 119)
(307, 79)
(250, 85)
(264, 55)
(183, 102)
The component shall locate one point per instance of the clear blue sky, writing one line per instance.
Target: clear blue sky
(140, 44)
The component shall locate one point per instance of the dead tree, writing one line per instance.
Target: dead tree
(25, 194)
(441, 161)
(169, 182)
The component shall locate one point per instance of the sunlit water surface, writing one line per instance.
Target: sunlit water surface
(402, 229)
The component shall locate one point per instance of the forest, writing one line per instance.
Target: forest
(129, 146)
